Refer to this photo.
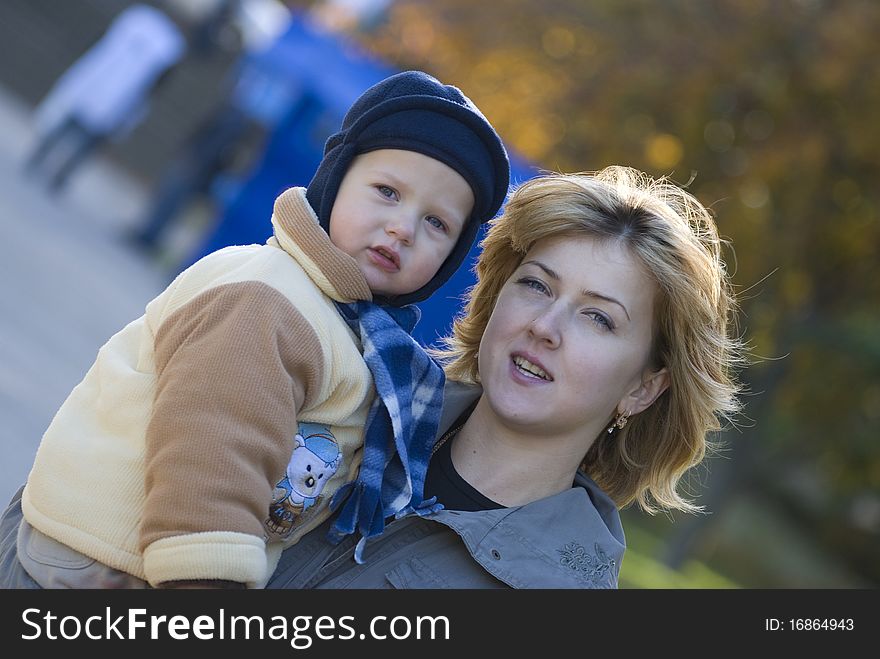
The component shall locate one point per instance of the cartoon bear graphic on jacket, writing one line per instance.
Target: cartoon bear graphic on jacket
(315, 458)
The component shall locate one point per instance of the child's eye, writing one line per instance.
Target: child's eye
(534, 284)
(385, 191)
(436, 222)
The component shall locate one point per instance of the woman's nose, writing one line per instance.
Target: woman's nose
(546, 326)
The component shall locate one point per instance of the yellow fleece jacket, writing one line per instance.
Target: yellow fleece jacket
(211, 432)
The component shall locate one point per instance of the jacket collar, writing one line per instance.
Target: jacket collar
(298, 233)
(561, 541)
(573, 539)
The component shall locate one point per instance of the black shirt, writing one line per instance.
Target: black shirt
(444, 482)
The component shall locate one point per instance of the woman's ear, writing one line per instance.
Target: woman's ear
(641, 398)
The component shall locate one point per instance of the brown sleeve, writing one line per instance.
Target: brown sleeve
(234, 365)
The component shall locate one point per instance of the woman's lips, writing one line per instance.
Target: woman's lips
(528, 370)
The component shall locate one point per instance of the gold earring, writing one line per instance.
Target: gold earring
(619, 422)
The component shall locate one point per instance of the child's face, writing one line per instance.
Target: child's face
(399, 214)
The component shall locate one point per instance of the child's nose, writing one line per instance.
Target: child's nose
(401, 227)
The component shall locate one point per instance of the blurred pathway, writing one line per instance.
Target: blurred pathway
(67, 283)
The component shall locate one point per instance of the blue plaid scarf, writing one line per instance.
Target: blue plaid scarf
(401, 425)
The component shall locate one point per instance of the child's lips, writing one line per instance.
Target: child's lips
(385, 258)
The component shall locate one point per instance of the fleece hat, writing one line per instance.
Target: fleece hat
(414, 111)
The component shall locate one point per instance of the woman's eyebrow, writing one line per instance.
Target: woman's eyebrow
(547, 269)
(607, 298)
(586, 293)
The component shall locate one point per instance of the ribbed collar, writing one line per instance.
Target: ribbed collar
(298, 233)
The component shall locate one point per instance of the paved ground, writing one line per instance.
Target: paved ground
(67, 283)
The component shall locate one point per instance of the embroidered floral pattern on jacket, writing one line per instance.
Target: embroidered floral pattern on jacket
(592, 568)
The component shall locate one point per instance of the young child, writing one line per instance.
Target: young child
(211, 432)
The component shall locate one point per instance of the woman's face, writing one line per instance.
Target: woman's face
(569, 339)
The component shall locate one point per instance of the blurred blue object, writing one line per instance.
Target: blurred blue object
(301, 86)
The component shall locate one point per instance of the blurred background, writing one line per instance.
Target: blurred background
(766, 109)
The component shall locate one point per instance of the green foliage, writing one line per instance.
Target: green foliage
(641, 568)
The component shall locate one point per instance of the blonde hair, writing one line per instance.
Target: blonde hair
(676, 240)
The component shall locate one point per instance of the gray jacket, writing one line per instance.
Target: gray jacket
(573, 539)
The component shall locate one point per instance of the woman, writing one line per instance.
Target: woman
(591, 361)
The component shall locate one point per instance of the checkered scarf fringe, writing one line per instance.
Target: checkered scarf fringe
(401, 425)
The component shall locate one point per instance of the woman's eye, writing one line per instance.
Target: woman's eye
(600, 320)
(534, 284)
(436, 222)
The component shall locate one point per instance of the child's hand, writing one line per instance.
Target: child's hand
(202, 584)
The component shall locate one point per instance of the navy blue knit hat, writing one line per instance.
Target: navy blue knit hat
(414, 111)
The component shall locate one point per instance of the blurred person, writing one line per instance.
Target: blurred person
(251, 105)
(268, 380)
(592, 358)
(105, 93)
(351, 15)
